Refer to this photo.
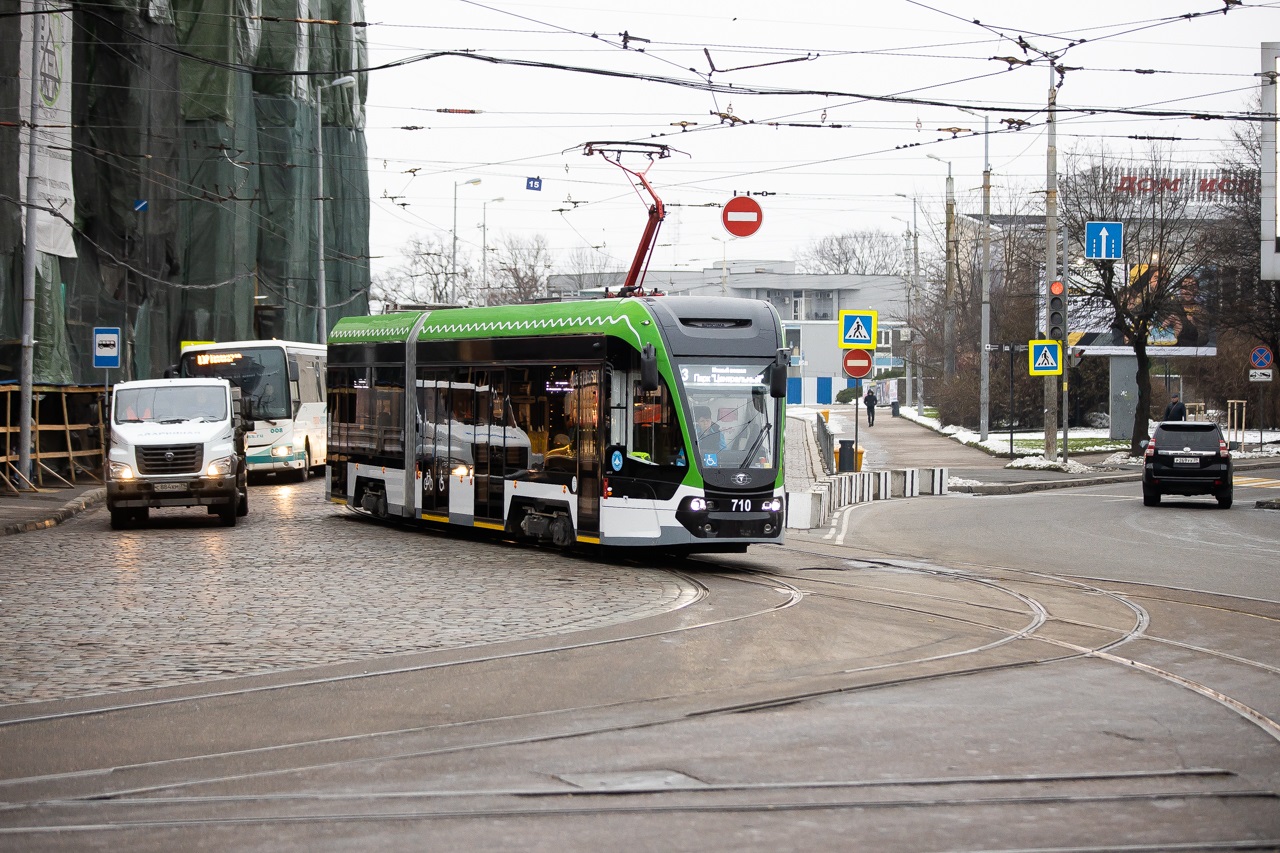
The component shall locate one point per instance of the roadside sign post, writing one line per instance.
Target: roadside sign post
(1260, 361)
(106, 355)
(1011, 349)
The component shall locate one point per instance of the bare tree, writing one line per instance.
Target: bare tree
(522, 265)
(422, 277)
(1164, 238)
(590, 267)
(853, 253)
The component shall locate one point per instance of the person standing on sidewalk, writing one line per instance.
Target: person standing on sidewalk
(1176, 410)
(870, 401)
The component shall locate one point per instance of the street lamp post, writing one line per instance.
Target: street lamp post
(984, 415)
(322, 286)
(912, 293)
(484, 243)
(453, 257)
(949, 318)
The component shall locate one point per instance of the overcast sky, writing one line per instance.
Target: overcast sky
(829, 162)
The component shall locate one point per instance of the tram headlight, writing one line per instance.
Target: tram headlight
(774, 505)
(697, 505)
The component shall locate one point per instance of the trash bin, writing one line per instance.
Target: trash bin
(848, 457)
(894, 407)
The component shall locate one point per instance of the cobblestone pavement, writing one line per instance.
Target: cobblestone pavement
(298, 583)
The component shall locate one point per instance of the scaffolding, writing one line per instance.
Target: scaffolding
(67, 437)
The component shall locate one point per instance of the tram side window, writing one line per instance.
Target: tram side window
(656, 434)
(343, 406)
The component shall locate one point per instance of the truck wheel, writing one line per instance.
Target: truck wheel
(227, 512)
(120, 518)
(242, 504)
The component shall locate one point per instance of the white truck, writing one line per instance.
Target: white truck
(177, 442)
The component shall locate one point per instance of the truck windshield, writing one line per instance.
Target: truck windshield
(732, 416)
(259, 372)
(170, 404)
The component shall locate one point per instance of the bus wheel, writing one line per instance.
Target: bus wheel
(305, 473)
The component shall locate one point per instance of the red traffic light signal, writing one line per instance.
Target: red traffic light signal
(1056, 311)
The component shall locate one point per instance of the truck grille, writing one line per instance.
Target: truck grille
(170, 459)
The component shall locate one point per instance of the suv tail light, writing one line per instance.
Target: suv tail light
(1223, 450)
(1151, 449)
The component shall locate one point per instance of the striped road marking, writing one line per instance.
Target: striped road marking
(1256, 482)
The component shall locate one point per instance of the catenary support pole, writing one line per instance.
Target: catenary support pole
(29, 250)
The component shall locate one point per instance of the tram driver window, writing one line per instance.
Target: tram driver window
(656, 432)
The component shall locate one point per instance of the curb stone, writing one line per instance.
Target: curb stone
(91, 498)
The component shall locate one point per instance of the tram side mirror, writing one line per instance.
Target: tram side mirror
(778, 374)
(649, 369)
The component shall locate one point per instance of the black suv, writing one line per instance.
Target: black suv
(1187, 458)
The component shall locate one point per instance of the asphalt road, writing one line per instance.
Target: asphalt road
(1100, 531)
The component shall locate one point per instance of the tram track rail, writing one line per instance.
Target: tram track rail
(1015, 610)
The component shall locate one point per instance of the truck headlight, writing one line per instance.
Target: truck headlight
(119, 471)
(220, 467)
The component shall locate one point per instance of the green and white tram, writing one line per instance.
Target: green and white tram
(567, 422)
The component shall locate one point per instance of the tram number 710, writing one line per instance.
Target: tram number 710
(741, 505)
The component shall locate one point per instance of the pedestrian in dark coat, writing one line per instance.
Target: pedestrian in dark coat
(870, 401)
(1175, 411)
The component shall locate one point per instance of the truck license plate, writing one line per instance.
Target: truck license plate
(1185, 460)
(170, 487)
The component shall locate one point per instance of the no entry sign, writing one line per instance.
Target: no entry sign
(857, 363)
(742, 216)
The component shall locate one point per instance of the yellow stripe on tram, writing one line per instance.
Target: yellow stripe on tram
(443, 519)
(590, 540)
(488, 525)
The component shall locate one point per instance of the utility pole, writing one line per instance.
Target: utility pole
(1051, 258)
(27, 359)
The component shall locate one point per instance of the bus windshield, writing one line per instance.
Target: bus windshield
(260, 372)
(731, 415)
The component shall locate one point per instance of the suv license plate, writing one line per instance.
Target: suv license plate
(1186, 460)
(170, 487)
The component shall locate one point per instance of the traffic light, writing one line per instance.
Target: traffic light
(1057, 311)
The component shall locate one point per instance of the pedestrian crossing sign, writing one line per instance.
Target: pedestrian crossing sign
(858, 329)
(1044, 358)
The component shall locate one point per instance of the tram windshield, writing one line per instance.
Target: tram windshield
(733, 418)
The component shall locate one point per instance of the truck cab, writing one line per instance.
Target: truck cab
(177, 442)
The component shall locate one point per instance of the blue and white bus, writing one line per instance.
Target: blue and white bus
(284, 382)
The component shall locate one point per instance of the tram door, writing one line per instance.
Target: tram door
(584, 411)
(433, 440)
(489, 448)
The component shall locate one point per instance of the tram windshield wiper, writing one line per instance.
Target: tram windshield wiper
(756, 444)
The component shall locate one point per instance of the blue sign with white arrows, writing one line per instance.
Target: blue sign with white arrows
(1104, 241)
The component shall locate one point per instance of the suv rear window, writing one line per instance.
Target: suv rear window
(1196, 436)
